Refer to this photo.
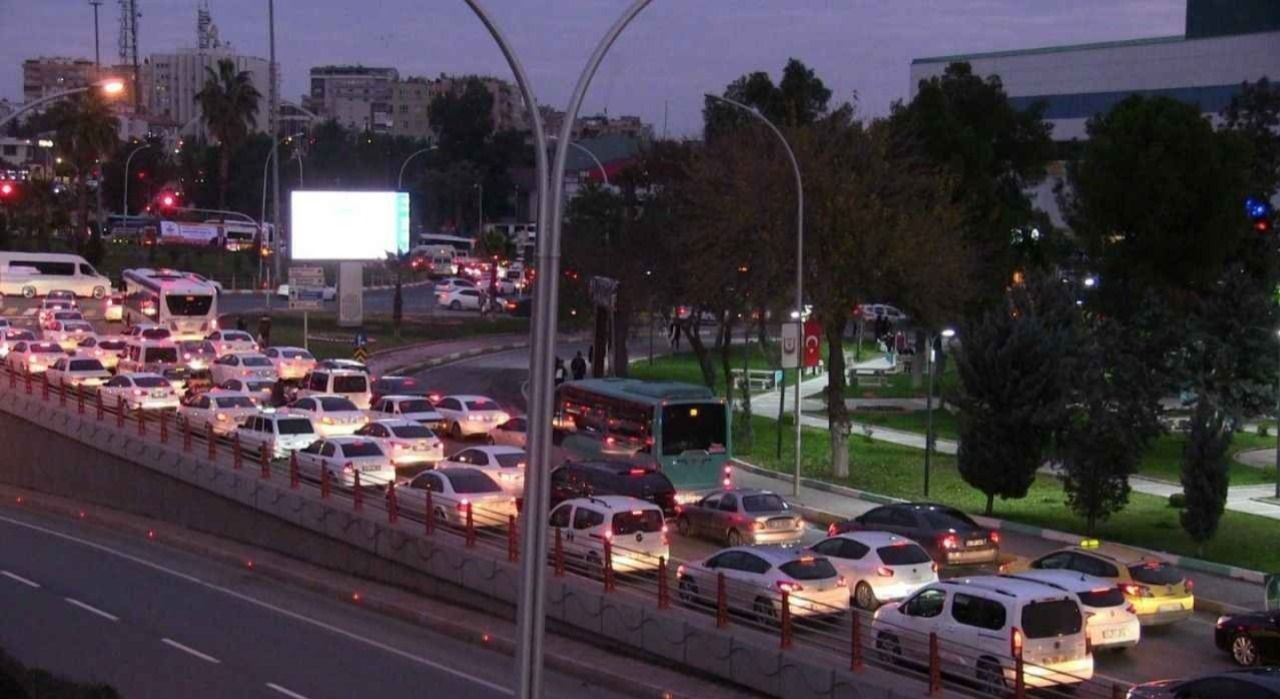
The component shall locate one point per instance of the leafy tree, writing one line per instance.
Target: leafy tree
(1255, 115)
(462, 119)
(799, 99)
(86, 134)
(228, 107)
(495, 243)
(1205, 471)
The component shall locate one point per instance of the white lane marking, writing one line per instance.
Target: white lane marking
(91, 609)
(288, 693)
(19, 578)
(190, 650)
(265, 605)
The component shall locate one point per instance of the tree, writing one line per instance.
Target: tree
(228, 108)
(462, 118)
(799, 99)
(1255, 115)
(86, 133)
(1011, 395)
(1205, 471)
(495, 243)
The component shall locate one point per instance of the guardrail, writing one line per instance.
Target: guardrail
(842, 635)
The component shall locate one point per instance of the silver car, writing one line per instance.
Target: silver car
(739, 516)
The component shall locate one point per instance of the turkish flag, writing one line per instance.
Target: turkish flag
(812, 343)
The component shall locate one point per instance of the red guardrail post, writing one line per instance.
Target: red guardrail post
(357, 494)
(164, 427)
(294, 476)
(62, 395)
(1019, 680)
(186, 436)
(212, 440)
(513, 540)
(237, 454)
(325, 484)
(393, 508)
(142, 422)
(855, 641)
(557, 556)
(664, 590)
(102, 411)
(121, 409)
(471, 525)
(935, 665)
(430, 521)
(784, 640)
(1118, 691)
(28, 382)
(80, 402)
(264, 457)
(609, 584)
(44, 386)
(722, 602)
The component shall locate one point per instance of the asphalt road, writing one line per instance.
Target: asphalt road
(157, 622)
(417, 299)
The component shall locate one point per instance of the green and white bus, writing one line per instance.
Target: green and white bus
(680, 427)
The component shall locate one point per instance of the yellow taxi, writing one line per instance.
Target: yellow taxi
(1158, 592)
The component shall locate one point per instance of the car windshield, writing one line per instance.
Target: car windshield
(350, 384)
(482, 404)
(510, 460)
(19, 335)
(361, 449)
(294, 425)
(151, 382)
(1050, 618)
(903, 555)
(333, 405)
(416, 406)
(647, 521)
(255, 361)
(163, 355)
(1104, 597)
(45, 348)
(85, 365)
(473, 482)
(412, 431)
(948, 519)
(1155, 573)
(809, 568)
(155, 334)
(234, 402)
(236, 336)
(698, 427)
(258, 386)
(765, 502)
(296, 354)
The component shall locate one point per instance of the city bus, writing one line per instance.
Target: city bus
(681, 428)
(187, 307)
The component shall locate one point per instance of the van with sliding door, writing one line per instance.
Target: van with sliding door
(32, 274)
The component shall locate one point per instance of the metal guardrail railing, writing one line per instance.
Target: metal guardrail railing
(849, 636)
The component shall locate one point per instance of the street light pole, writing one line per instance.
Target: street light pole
(124, 205)
(97, 58)
(799, 312)
(928, 430)
(400, 177)
(480, 209)
(274, 108)
(604, 174)
(110, 87)
(1278, 429)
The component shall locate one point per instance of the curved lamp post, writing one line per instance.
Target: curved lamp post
(400, 177)
(124, 205)
(604, 174)
(799, 312)
(110, 87)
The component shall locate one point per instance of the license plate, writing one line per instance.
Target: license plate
(779, 523)
(370, 467)
(421, 447)
(1108, 634)
(157, 394)
(976, 542)
(1171, 607)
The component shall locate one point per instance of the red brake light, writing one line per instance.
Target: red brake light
(1016, 641)
(638, 471)
(948, 542)
(832, 530)
(995, 537)
(1189, 584)
(464, 505)
(789, 587)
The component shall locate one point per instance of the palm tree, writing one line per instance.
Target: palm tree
(228, 107)
(86, 133)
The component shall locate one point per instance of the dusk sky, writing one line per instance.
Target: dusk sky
(674, 52)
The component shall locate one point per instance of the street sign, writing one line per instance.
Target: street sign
(306, 288)
(791, 338)
(361, 339)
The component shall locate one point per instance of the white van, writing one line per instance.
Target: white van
(983, 623)
(34, 274)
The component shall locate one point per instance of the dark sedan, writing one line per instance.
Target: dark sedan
(1251, 639)
(948, 534)
(1263, 683)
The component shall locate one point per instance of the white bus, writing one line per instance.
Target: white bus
(174, 300)
(34, 274)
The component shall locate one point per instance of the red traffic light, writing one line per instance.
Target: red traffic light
(1262, 226)
(7, 189)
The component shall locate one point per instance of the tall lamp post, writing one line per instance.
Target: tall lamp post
(400, 177)
(946, 334)
(604, 174)
(479, 208)
(111, 87)
(124, 205)
(799, 312)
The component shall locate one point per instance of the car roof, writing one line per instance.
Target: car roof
(621, 503)
(396, 422)
(1069, 580)
(456, 471)
(495, 449)
(1009, 587)
(148, 343)
(141, 375)
(873, 538)
(351, 439)
(777, 555)
(467, 397)
(288, 347)
(326, 395)
(1267, 677)
(402, 396)
(742, 491)
(340, 372)
(224, 393)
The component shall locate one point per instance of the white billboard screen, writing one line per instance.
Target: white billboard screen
(348, 225)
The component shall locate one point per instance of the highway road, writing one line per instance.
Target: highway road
(153, 621)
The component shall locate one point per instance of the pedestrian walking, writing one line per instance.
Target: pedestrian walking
(578, 366)
(560, 372)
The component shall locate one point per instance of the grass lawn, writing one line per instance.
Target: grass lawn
(1163, 459)
(944, 423)
(1242, 540)
(287, 330)
(899, 386)
(683, 366)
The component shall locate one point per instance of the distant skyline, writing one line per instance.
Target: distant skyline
(676, 51)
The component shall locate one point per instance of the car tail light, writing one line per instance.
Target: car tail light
(680, 569)
(757, 525)
(222, 417)
(348, 468)
(1016, 642)
(789, 587)
(138, 392)
(327, 420)
(637, 471)
(995, 537)
(934, 565)
(666, 536)
(949, 542)
(884, 572)
(464, 505)
(1134, 590)
(1189, 584)
(832, 530)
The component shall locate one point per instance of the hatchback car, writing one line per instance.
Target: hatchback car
(33, 357)
(455, 490)
(13, 337)
(281, 432)
(880, 567)
(1251, 639)
(227, 341)
(223, 411)
(343, 457)
(242, 365)
(1258, 683)
(258, 388)
(139, 392)
(414, 408)
(635, 529)
(73, 372)
(503, 464)
(756, 577)
(291, 362)
(741, 516)
(949, 535)
(332, 415)
(1110, 621)
(470, 415)
(50, 306)
(405, 441)
(198, 355)
(580, 479)
(1159, 592)
(104, 349)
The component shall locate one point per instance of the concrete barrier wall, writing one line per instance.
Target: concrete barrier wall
(51, 449)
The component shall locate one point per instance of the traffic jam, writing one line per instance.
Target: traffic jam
(642, 489)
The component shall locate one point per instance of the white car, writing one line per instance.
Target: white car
(503, 464)
(12, 337)
(452, 284)
(228, 341)
(242, 365)
(67, 333)
(893, 314)
(635, 530)
(104, 349)
(72, 314)
(332, 415)
(1109, 620)
(406, 441)
(291, 362)
(198, 355)
(879, 567)
(349, 383)
(343, 457)
(50, 306)
(258, 388)
(139, 392)
(114, 312)
(512, 433)
(221, 410)
(147, 331)
(33, 357)
(345, 364)
(459, 299)
(981, 623)
(414, 408)
(756, 577)
(468, 415)
(153, 356)
(454, 491)
(71, 372)
(282, 432)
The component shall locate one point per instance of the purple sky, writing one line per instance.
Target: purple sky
(674, 52)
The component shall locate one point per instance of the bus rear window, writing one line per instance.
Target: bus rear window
(698, 427)
(189, 304)
(1051, 618)
(647, 521)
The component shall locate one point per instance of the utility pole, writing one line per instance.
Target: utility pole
(274, 108)
(97, 52)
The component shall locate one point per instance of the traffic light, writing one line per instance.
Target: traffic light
(1261, 215)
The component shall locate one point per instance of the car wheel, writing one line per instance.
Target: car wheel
(733, 538)
(688, 590)
(990, 679)
(1244, 650)
(455, 431)
(765, 611)
(864, 597)
(683, 526)
(99, 292)
(889, 648)
(455, 306)
(28, 292)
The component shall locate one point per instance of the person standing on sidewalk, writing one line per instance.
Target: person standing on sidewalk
(578, 366)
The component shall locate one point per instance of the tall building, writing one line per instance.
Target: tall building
(1225, 43)
(508, 106)
(597, 126)
(172, 80)
(358, 97)
(410, 104)
(45, 76)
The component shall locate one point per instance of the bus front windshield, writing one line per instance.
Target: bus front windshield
(693, 427)
(189, 304)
